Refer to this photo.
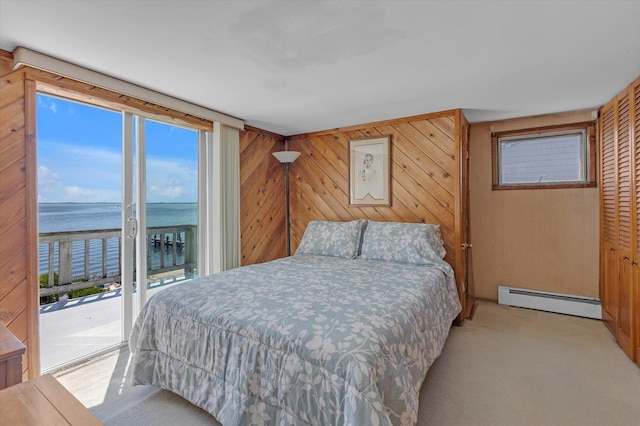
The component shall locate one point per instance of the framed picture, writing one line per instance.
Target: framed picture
(369, 171)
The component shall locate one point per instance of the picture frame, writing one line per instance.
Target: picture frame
(370, 171)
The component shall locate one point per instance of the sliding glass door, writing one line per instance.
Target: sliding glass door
(172, 204)
(160, 227)
(118, 221)
(79, 211)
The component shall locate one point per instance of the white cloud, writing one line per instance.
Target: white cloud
(77, 171)
(175, 180)
(48, 103)
(91, 154)
(47, 177)
(48, 181)
(89, 195)
(172, 192)
(80, 171)
(171, 180)
(77, 193)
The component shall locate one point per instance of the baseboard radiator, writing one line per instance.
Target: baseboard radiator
(551, 302)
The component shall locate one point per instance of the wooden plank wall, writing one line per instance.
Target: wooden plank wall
(424, 170)
(18, 227)
(262, 197)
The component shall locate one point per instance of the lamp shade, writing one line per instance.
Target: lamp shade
(286, 156)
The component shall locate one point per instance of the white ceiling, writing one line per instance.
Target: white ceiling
(300, 66)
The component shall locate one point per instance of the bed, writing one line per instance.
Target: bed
(342, 333)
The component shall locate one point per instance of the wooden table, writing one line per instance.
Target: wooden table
(42, 401)
(11, 351)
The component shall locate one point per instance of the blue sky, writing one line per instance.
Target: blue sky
(80, 155)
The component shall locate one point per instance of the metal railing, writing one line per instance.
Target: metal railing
(169, 248)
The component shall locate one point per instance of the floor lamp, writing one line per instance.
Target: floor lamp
(286, 158)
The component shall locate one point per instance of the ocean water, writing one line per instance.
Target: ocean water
(61, 217)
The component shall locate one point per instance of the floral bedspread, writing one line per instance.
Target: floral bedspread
(302, 340)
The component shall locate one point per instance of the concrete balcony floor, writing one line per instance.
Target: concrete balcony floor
(77, 329)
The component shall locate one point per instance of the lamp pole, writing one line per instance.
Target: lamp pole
(286, 158)
(286, 192)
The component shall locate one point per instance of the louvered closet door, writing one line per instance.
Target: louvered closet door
(634, 109)
(609, 219)
(624, 333)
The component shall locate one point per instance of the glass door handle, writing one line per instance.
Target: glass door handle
(133, 227)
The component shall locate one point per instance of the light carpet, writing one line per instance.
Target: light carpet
(508, 366)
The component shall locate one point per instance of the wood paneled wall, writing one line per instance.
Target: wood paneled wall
(424, 175)
(262, 197)
(428, 184)
(18, 226)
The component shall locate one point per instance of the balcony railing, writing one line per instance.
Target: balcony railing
(83, 259)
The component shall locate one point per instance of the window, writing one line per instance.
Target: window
(82, 151)
(550, 157)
